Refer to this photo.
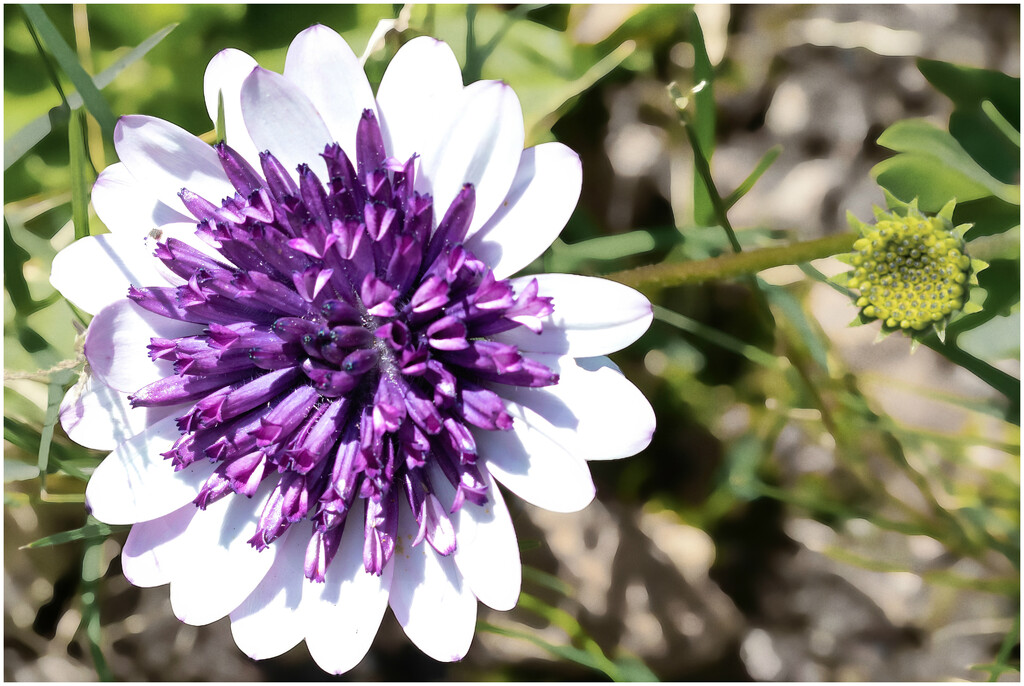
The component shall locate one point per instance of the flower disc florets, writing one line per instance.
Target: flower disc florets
(346, 347)
(911, 270)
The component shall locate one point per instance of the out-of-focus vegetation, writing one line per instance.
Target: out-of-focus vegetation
(813, 506)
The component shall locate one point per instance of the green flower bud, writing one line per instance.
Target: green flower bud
(911, 271)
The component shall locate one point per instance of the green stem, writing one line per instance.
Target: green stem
(1004, 650)
(700, 162)
(474, 63)
(1008, 385)
(657, 276)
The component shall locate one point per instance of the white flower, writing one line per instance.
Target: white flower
(338, 341)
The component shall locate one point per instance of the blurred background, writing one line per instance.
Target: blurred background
(814, 506)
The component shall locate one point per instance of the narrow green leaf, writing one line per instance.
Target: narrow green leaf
(546, 580)
(568, 653)
(68, 61)
(565, 98)
(92, 572)
(807, 333)
(93, 529)
(716, 337)
(762, 166)
(81, 174)
(632, 669)
(222, 129)
(703, 120)
(28, 439)
(33, 132)
(1005, 127)
(53, 397)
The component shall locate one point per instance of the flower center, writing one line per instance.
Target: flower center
(347, 347)
(910, 271)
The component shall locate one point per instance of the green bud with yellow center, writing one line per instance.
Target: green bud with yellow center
(910, 271)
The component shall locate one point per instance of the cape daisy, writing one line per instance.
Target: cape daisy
(311, 365)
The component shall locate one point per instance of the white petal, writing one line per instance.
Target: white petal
(481, 146)
(136, 484)
(323, 65)
(101, 418)
(593, 411)
(429, 597)
(592, 316)
(534, 464)
(219, 568)
(417, 96)
(225, 73)
(488, 552)
(126, 206)
(281, 119)
(342, 614)
(270, 621)
(115, 345)
(166, 158)
(543, 195)
(153, 550)
(95, 271)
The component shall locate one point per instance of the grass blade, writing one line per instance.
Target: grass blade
(703, 121)
(748, 183)
(92, 572)
(81, 172)
(716, 337)
(68, 61)
(91, 530)
(33, 132)
(1005, 127)
(53, 396)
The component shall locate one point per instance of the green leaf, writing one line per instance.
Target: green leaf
(546, 580)
(762, 166)
(743, 462)
(984, 142)
(793, 311)
(1005, 127)
(222, 129)
(989, 216)
(976, 131)
(920, 137)
(68, 61)
(54, 393)
(33, 132)
(967, 86)
(92, 530)
(81, 174)
(559, 100)
(911, 175)
(704, 118)
(716, 337)
(92, 571)
(632, 669)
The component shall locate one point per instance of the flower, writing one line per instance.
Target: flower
(912, 270)
(311, 365)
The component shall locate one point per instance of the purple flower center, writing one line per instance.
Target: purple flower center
(347, 348)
